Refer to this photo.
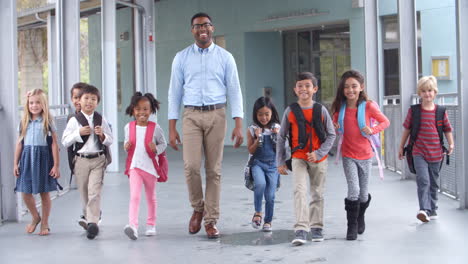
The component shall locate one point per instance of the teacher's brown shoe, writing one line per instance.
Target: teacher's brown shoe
(211, 231)
(195, 222)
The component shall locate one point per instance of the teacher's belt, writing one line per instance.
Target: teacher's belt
(205, 107)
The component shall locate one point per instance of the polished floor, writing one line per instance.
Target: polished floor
(393, 233)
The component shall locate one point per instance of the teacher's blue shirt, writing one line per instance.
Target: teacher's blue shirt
(204, 77)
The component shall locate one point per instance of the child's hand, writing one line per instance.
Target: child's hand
(367, 130)
(450, 149)
(258, 132)
(152, 146)
(98, 131)
(127, 145)
(16, 170)
(283, 170)
(336, 125)
(401, 153)
(311, 156)
(85, 131)
(55, 172)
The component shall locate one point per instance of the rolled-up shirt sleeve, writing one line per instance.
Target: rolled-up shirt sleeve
(175, 89)
(233, 88)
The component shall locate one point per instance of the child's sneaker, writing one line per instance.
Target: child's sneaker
(150, 230)
(92, 230)
(316, 234)
(131, 232)
(267, 227)
(83, 222)
(422, 216)
(300, 238)
(433, 215)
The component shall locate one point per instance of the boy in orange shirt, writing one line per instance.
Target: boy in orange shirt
(309, 151)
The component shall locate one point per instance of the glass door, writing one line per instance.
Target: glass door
(324, 52)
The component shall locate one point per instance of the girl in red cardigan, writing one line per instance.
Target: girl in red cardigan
(143, 139)
(352, 114)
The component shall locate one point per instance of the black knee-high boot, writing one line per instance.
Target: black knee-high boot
(362, 211)
(352, 212)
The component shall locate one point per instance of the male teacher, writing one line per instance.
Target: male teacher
(203, 74)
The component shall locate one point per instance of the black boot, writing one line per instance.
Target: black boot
(352, 212)
(362, 211)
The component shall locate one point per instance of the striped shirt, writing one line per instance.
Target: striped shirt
(427, 142)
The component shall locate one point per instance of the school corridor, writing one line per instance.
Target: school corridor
(393, 234)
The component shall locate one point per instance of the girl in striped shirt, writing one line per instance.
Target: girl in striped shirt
(427, 149)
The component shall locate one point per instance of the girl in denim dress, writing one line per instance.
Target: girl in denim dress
(261, 142)
(36, 161)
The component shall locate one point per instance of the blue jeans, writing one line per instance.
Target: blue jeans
(265, 176)
(427, 176)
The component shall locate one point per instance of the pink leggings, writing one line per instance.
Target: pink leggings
(137, 178)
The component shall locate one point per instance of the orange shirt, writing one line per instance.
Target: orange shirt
(302, 153)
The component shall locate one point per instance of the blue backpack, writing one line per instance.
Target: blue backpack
(374, 139)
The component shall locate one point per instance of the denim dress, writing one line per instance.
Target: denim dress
(36, 161)
(265, 174)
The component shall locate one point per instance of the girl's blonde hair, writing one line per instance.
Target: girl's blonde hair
(46, 117)
(427, 82)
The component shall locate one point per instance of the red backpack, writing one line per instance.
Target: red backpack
(160, 164)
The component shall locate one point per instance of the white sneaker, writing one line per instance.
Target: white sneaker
(150, 230)
(422, 216)
(131, 232)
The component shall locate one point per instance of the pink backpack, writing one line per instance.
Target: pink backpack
(160, 164)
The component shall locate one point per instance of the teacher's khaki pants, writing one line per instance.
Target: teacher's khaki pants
(203, 134)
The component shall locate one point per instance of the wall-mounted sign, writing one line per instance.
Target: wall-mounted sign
(295, 14)
(441, 67)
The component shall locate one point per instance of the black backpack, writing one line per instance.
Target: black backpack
(416, 118)
(317, 124)
(97, 120)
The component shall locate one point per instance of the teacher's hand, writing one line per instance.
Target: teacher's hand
(237, 136)
(174, 139)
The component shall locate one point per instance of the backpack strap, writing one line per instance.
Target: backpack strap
(131, 150)
(416, 122)
(149, 138)
(340, 130)
(83, 122)
(301, 123)
(440, 115)
(97, 120)
(317, 122)
(361, 117)
(161, 164)
(341, 116)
